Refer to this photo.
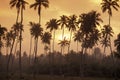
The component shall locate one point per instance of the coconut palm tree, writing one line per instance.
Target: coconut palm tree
(14, 34)
(53, 26)
(38, 5)
(46, 38)
(36, 31)
(117, 43)
(8, 39)
(88, 25)
(78, 37)
(107, 5)
(20, 5)
(72, 24)
(63, 22)
(107, 33)
(2, 34)
(63, 43)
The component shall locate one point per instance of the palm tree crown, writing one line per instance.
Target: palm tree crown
(52, 24)
(108, 4)
(35, 29)
(19, 4)
(117, 43)
(46, 38)
(38, 4)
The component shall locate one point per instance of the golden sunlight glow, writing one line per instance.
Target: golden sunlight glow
(59, 36)
(96, 1)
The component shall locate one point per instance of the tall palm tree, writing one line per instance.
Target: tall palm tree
(2, 34)
(38, 5)
(8, 39)
(20, 5)
(72, 24)
(53, 26)
(63, 43)
(63, 22)
(117, 44)
(36, 32)
(107, 33)
(89, 23)
(46, 38)
(78, 37)
(14, 34)
(107, 5)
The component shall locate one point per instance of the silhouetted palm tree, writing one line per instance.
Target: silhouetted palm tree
(2, 34)
(52, 25)
(14, 34)
(8, 39)
(63, 43)
(78, 37)
(72, 24)
(46, 38)
(107, 5)
(36, 32)
(117, 43)
(107, 33)
(38, 5)
(20, 5)
(63, 22)
(89, 23)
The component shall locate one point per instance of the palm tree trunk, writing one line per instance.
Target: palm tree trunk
(0, 45)
(18, 12)
(30, 50)
(63, 33)
(109, 20)
(9, 57)
(53, 40)
(20, 64)
(40, 15)
(35, 60)
(77, 46)
(70, 42)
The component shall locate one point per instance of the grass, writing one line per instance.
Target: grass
(47, 77)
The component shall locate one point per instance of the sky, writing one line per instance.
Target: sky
(55, 10)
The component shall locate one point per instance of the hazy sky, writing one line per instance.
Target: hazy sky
(56, 9)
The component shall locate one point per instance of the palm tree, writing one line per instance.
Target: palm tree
(107, 5)
(88, 25)
(72, 24)
(78, 37)
(20, 5)
(52, 25)
(36, 32)
(63, 22)
(117, 44)
(46, 38)
(63, 43)
(8, 39)
(2, 34)
(107, 33)
(14, 34)
(38, 5)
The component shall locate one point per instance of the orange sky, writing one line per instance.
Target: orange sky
(56, 9)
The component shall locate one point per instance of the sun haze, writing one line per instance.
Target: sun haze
(55, 10)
